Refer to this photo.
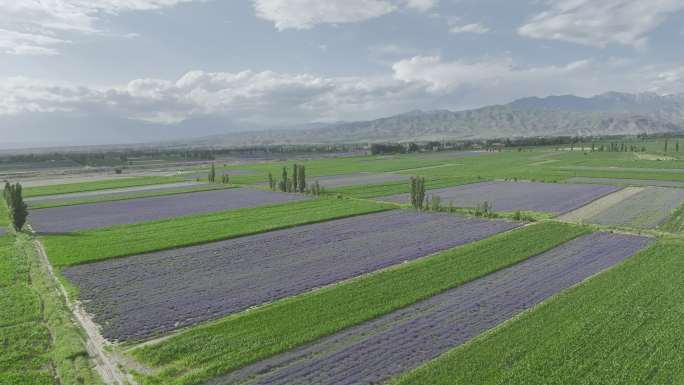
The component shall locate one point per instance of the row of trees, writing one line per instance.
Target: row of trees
(18, 210)
(296, 183)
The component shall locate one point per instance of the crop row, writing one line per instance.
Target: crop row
(159, 292)
(208, 351)
(623, 327)
(118, 241)
(375, 351)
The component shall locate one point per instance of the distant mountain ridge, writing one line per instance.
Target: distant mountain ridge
(611, 113)
(667, 108)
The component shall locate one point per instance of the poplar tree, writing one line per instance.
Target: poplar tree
(212, 173)
(18, 210)
(283, 182)
(271, 182)
(302, 178)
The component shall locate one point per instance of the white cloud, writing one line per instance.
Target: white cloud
(422, 5)
(476, 28)
(247, 96)
(17, 43)
(305, 14)
(32, 27)
(441, 76)
(273, 98)
(599, 23)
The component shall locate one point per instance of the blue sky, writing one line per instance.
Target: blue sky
(158, 67)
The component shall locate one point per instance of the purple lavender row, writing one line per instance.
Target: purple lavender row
(524, 196)
(97, 215)
(143, 295)
(402, 340)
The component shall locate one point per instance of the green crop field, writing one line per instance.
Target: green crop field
(621, 327)
(207, 351)
(40, 344)
(113, 198)
(117, 241)
(98, 185)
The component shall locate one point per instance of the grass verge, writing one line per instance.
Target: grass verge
(41, 345)
(208, 351)
(623, 327)
(124, 240)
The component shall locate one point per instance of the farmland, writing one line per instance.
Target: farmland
(119, 241)
(524, 196)
(39, 340)
(647, 208)
(201, 283)
(152, 293)
(420, 332)
(98, 215)
(620, 327)
(114, 183)
(207, 351)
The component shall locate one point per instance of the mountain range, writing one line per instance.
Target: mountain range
(610, 113)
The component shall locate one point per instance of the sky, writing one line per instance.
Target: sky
(117, 71)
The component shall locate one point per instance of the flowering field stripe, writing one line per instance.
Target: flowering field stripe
(623, 327)
(124, 240)
(208, 351)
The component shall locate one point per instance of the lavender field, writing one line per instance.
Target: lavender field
(140, 296)
(512, 196)
(89, 216)
(375, 351)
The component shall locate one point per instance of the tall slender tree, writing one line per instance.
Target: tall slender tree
(295, 177)
(212, 173)
(302, 179)
(271, 182)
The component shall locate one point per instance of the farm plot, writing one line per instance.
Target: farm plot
(377, 350)
(524, 196)
(647, 209)
(353, 179)
(140, 296)
(358, 179)
(626, 182)
(112, 192)
(98, 215)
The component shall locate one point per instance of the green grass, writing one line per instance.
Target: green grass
(133, 195)
(117, 241)
(38, 339)
(624, 326)
(68, 188)
(207, 351)
(676, 222)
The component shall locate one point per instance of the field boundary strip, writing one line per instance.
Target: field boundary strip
(598, 205)
(105, 364)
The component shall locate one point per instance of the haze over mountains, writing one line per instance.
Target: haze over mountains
(610, 113)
